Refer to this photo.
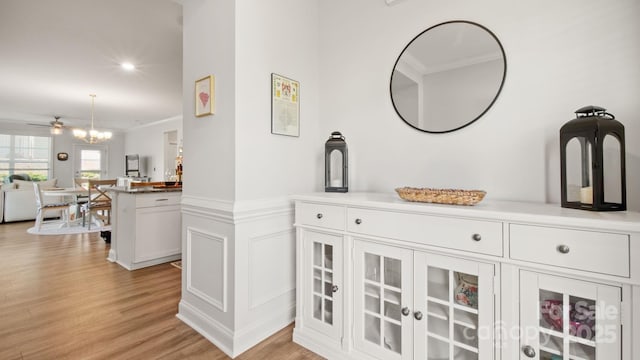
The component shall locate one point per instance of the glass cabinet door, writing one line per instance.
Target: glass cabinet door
(454, 308)
(568, 319)
(323, 300)
(383, 284)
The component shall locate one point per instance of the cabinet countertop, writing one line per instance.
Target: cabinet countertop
(143, 190)
(513, 211)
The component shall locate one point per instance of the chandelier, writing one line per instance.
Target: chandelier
(92, 136)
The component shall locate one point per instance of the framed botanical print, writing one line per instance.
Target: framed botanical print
(285, 106)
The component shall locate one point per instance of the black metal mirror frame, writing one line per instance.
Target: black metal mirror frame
(504, 75)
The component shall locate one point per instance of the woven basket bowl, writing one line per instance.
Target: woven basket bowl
(441, 196)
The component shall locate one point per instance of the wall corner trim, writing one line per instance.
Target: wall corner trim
(236, 212)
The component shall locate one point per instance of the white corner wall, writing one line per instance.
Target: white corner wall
(276, 36)
(238, 176)
(209, 141)
(560, 57)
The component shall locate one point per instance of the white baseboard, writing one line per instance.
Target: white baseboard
(230, 342)
(212, 330)
(144, 264)
(256, 332)
(112, 255)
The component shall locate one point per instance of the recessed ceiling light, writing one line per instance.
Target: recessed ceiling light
(128, 66)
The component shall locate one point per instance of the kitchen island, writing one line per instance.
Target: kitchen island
(146, 226)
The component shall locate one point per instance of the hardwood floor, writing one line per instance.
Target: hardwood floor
(61, 299)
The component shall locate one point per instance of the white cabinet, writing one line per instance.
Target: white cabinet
(456, 298)
(157, 232)
(382, 300)
(593, 251)
(418, 305)
(322, 279)
(565, 318)
(501, 280)
(569, 319)
(484, 237)
(146, 228)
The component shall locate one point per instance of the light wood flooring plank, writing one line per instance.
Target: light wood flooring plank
(61, 299)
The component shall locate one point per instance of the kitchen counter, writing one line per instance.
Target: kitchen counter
(144, 189)
(146, 226)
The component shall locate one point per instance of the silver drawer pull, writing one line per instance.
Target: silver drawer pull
(564, 249)
(319, 216)
(417, 315)
(334, 288)
(476, 237)
(405, 311)
(358, 221)
(162, 199)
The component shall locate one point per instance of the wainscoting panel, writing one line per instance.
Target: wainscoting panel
(238, 269)
(207, 267)
(270, 276)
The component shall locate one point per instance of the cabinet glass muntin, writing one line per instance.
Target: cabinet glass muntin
(444, 295)
(572, 319)
(383, 301)
(323, 282)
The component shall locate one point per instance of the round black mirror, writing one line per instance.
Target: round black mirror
(448, 76)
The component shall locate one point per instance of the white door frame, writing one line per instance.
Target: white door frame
(104, 159)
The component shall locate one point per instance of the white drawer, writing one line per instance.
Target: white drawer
(484, 237)
(327, 216)
(599, 252)
(157, 199)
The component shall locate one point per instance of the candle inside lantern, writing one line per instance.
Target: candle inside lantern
(586, 195)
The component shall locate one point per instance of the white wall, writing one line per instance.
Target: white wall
(238, 174)
(237, 157)
(148, 142)
(209, 141)
(276, 36)
(560, 57)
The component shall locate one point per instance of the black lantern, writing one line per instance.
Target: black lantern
(592, 161)
(335, 164)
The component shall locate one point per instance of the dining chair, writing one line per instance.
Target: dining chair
(43, 207)
(99, 202)
(81, 199)
(81, 182)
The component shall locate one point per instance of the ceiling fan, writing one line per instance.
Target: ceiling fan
(55, 126)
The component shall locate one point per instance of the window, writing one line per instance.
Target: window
(23, 154)
(90, 164)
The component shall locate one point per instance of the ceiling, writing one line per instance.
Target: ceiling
(53, 54)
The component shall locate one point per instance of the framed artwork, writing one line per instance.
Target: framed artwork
(205, 96)
(63, 156)
(285, 106)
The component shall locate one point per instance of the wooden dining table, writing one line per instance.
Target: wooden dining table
(71, 192)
